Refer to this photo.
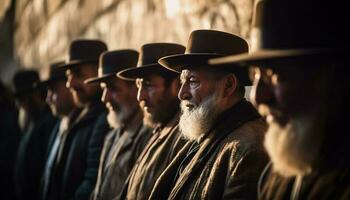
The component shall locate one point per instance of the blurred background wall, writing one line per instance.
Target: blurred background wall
(34, 33)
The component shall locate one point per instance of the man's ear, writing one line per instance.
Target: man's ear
(230, 85)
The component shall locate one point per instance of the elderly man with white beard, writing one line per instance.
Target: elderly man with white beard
(302, 88)
(223, 156)
(124, 143)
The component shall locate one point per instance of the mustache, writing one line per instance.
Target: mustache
(185, 104)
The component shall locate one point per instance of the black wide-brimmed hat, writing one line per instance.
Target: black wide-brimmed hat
(148, 62)
(56, 73)
(112, 62)
(24, 81)
(84, 51)
(297, 29)
(204, 45)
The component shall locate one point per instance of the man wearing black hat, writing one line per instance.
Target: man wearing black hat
(37, 123)
(224, 156)
(302, 88)
(75, 173)
(62, 106)
(124, 143)
(157, 90)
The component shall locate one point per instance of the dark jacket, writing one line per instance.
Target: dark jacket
(158, 153)
(226, 165)
(9, 140)
(74, 175)
(31, 156)
(120, 152)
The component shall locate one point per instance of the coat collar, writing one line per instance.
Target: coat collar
(226, 123)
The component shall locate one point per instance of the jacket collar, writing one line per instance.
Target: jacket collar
(226, 123)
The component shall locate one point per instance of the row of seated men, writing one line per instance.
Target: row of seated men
(172, 122)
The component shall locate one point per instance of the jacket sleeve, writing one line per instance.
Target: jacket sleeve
(243, 178)
(87, 185)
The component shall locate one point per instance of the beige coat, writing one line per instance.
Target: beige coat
(120, 152)
(161, 149)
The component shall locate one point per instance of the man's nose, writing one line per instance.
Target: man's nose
(141, 94)
(106, 96)
(72, 81)
(184, 92)
(261, 93)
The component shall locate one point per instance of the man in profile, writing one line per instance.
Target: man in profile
(302, 89)
(157, 96)
(62, 106)
(36, 123)
(223, 156)
(126, 140)
(75, 172)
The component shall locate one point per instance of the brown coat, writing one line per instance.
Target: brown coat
(120, 152)
(158, 153)
(227, 164)
(320, 185)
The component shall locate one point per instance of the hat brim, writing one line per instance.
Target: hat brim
(262, 56)
(100, 79)
(177, 62)
(185, 61)
(76, 62)
(134, 73)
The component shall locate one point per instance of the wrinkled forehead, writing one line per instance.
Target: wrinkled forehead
(193, 71)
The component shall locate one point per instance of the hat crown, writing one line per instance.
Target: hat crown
(152, 52)
(25, 80)
(215, 42)
(297, 24)
(112, 62)
(86, 50)
(55, 71)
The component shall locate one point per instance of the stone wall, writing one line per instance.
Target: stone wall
(44, 28)
(8, 66)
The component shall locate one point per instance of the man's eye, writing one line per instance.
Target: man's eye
(193, 83)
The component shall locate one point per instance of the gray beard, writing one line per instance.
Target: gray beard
(116, 119)
(198, 121)
(294, 147)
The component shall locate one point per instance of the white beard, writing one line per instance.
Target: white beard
(196, 122)
(293, 148)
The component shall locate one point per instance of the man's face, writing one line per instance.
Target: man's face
(157, 99)
(200, 102)
(119, 96)
(59, 98)
(82, 93)
(291, 97)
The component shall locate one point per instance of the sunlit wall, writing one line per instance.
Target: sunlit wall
(44, 28)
